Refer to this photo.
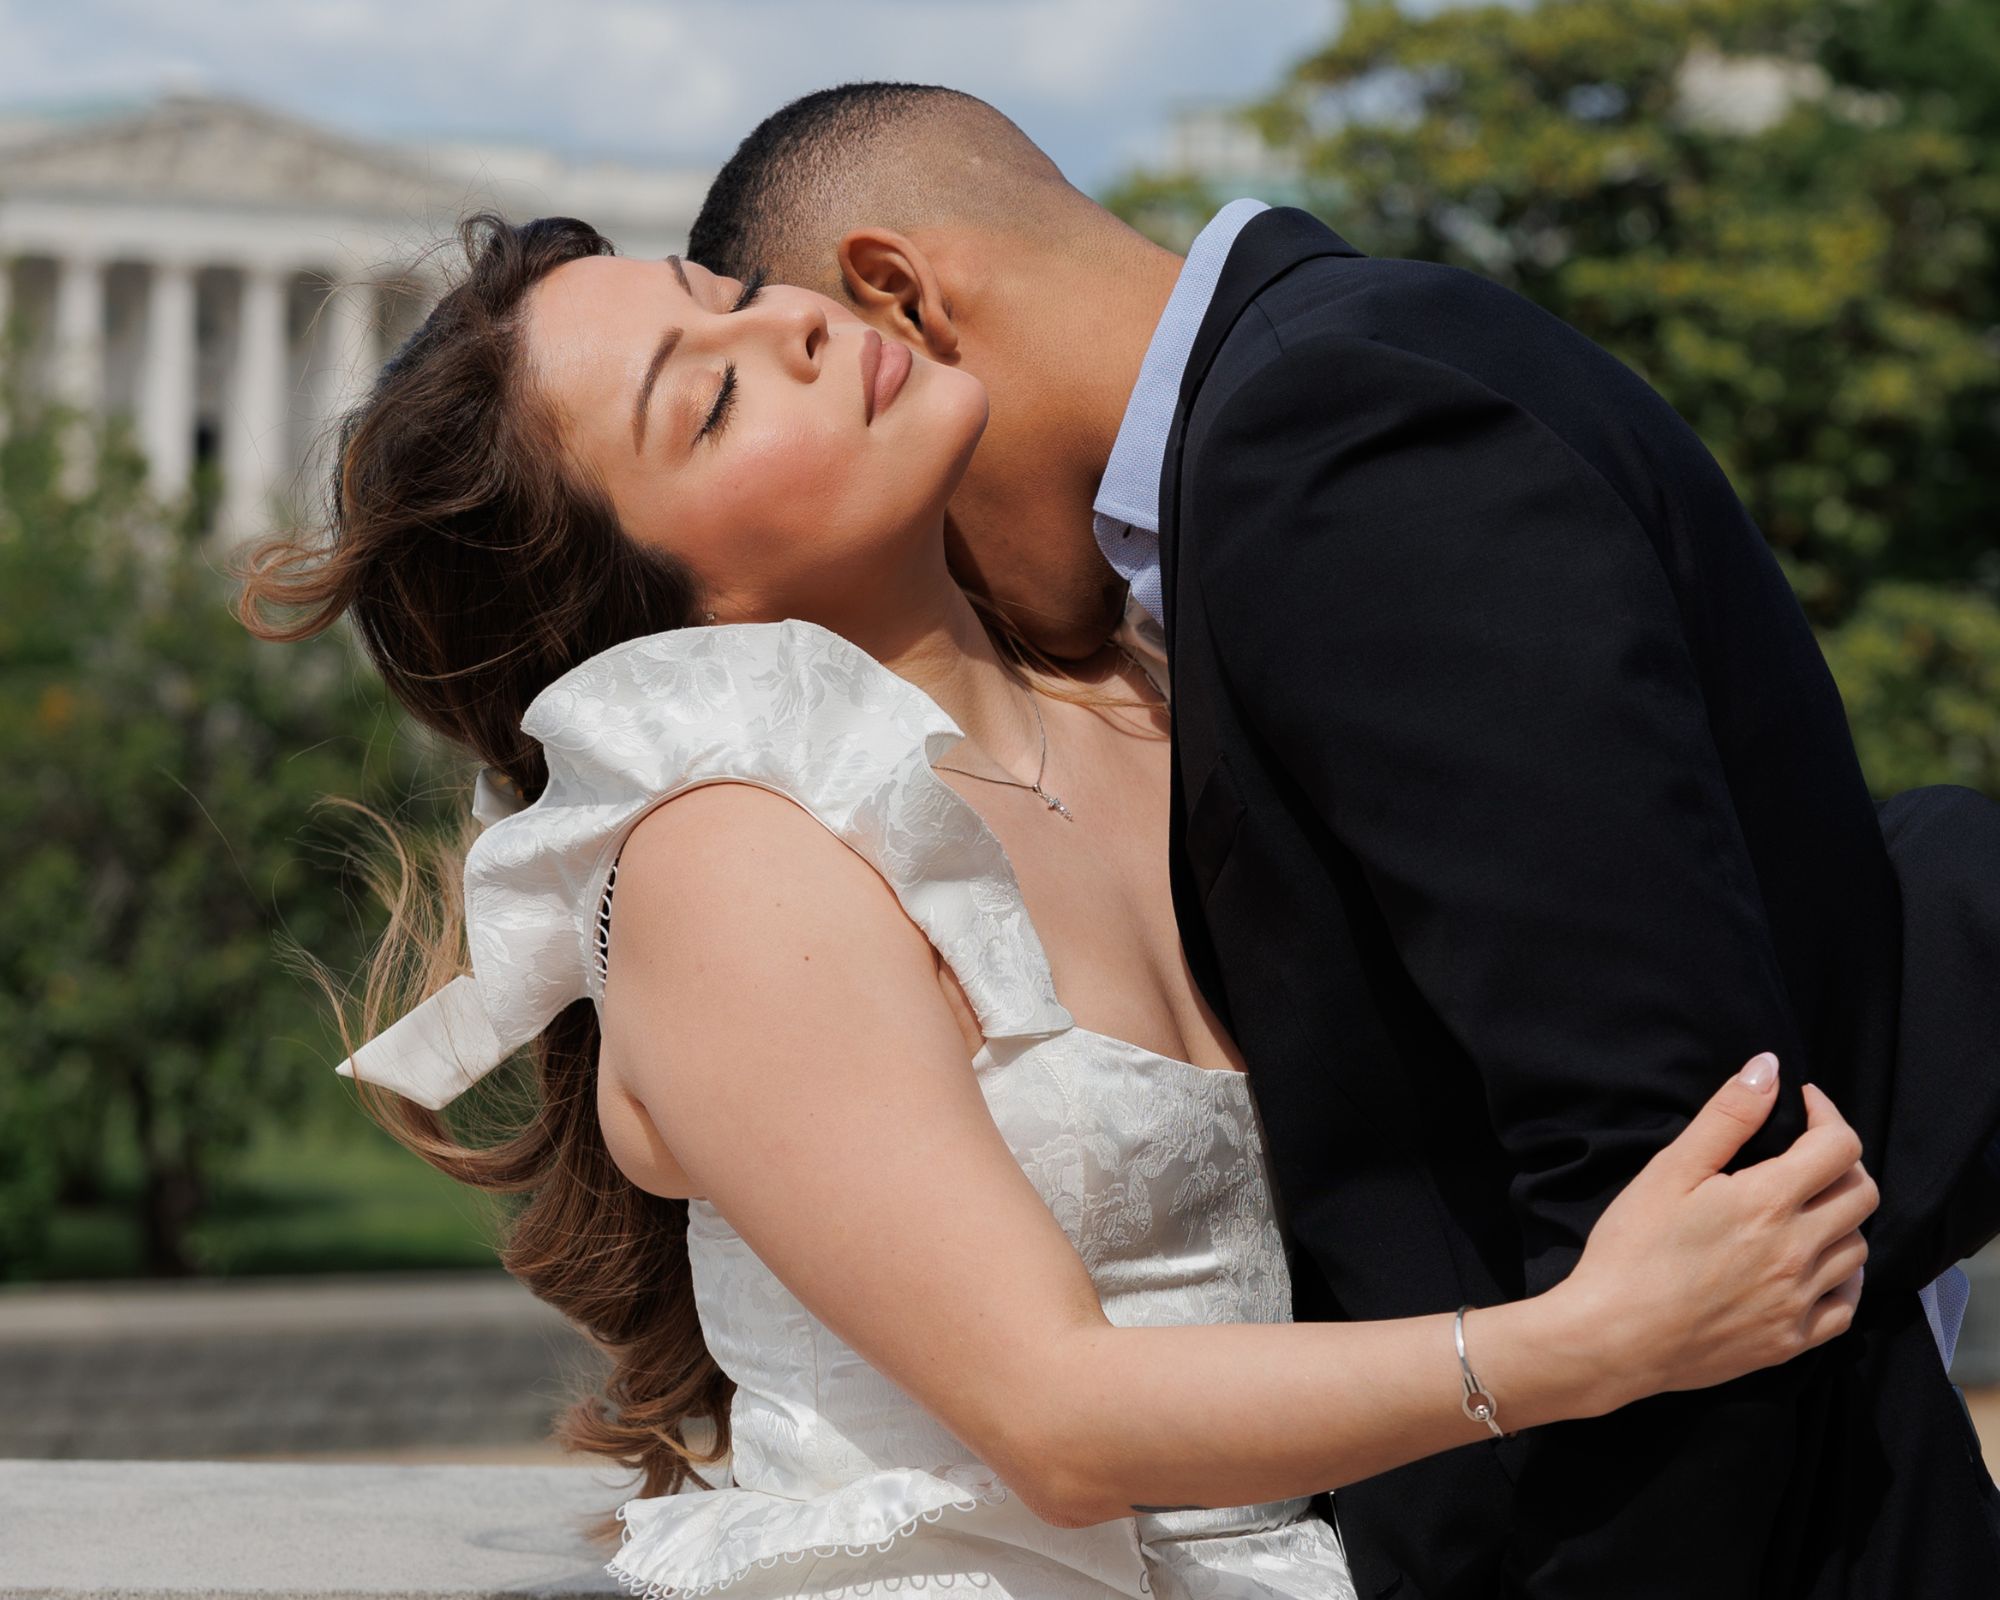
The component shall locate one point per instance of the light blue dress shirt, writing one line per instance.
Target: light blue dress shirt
(1127, 520)
(1944, 1308)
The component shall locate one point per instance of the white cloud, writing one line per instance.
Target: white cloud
(673, 79)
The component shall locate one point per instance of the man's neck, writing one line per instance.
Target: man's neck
(1112, 313)
(1056, 415)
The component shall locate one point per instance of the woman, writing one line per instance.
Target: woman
(954, 1216)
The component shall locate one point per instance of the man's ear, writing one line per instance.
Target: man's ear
(894, 286)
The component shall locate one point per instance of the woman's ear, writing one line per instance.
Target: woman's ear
(894, 286)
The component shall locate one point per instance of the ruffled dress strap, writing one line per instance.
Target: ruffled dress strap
(789, 707)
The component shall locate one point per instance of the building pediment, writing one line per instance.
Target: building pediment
(204, 151)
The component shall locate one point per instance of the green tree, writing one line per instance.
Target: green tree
(156, 847)
(1784, 214)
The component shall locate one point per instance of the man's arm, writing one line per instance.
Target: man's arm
(1456, 639)
(1943, 1145)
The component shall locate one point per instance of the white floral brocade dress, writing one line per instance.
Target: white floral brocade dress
(839, 1484)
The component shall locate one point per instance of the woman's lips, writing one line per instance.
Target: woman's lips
(884, 366)
(871, 364)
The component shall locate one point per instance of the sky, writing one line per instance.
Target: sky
(1093, 81)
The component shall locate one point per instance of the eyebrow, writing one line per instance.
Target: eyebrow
(661, 352)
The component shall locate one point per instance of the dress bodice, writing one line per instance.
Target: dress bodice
(1154, 1168)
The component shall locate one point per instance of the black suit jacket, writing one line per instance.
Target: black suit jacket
(1514, 809)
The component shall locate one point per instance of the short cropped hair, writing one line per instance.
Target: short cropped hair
(894, 154)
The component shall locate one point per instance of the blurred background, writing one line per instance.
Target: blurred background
(216, 218)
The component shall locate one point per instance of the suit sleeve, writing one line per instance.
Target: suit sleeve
(1457, 642)
(1942, 1154)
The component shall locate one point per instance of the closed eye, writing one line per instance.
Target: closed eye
(725, 402)
(725, 395)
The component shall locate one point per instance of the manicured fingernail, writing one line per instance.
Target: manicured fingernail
(1759, 1072)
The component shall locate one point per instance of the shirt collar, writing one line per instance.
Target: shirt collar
(1129, 492)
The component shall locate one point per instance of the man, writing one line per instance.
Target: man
(1513, 801)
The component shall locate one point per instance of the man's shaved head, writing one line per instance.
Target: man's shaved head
(905, 156)
(948, 231)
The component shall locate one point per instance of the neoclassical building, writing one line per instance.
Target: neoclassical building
(226, 278)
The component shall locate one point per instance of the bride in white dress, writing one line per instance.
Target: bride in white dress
(953, 1218)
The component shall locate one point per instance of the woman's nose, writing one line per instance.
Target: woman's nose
(799, 324)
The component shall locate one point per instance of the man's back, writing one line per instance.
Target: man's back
(1773, 712)
(1516, 805)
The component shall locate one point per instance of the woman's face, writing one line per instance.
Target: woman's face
(767, 437)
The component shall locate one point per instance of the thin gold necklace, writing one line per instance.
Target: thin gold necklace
(1053, 802)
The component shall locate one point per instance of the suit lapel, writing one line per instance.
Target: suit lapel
(1270, 245)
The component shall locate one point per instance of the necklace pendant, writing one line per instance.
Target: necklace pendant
(1053, 803)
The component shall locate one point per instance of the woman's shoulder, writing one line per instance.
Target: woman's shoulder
(737, 892)
(742, 938)
(739, 852)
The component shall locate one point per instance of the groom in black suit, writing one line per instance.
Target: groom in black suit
(1514, 806)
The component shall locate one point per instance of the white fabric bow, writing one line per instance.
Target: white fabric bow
(436, 1052)
(439, 1049)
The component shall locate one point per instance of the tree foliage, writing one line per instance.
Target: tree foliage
(157, 848)
(1784, 214)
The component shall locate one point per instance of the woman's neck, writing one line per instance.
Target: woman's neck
(933, 637)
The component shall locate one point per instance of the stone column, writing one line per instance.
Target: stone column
(167, 378)
(343, 369)
(253, 452)
(77, 372)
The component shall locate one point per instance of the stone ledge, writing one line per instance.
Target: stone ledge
(118, 1530)
(274, 1368)
(73, 1314)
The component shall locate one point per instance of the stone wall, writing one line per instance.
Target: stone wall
(308, 1367)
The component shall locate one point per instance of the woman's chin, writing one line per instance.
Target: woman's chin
(948, 398)
(953, 416)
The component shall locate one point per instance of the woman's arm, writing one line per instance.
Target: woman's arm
(780, 1019)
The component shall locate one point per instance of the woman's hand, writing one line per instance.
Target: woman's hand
(1696, 1275)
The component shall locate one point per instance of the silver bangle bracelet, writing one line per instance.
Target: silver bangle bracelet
(1477, 1404)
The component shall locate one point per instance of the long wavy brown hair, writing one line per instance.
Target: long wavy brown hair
(478, 563)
